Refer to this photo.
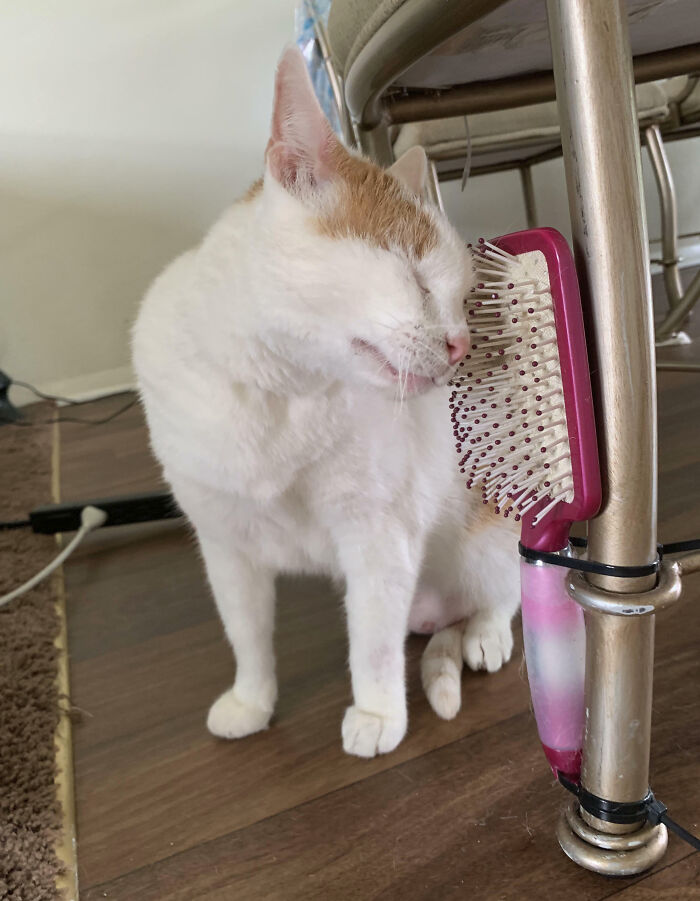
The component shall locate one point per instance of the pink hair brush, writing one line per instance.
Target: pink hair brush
(525, 432)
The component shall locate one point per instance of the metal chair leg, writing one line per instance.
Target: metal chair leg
(678, 315)
(669, 214)
(433, 186)
(528, 196)
(680, 301)
(593, 73)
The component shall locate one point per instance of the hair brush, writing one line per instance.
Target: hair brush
(524, 427)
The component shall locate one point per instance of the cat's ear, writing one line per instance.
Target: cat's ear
(411, 169)
(299, 152)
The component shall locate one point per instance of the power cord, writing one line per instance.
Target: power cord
(68, 401)
(34, 422)
(91, 518)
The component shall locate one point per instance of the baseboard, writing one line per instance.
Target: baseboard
(688, 249)
(90, 386)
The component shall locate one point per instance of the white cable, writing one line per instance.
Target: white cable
(90, 518)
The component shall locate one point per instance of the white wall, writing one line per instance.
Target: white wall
(125, 127)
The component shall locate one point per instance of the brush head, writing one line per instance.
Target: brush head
(522, 409)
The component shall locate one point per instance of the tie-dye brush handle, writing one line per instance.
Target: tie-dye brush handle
(555, 651)
(526, 436)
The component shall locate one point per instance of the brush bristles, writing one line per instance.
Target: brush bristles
(508, 413)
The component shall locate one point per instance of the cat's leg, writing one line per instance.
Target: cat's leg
(477, 567)
(244, 592)
(381, 575)
(491, 576)
(245, 598)
(441, 671)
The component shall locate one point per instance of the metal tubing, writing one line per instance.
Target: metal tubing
(679, 314)
(528, 196)
(618, 721)
(413, 29)
(433, 186)
(502, 93)
(375, 143)
(688, 562)
(669, 214)
(593, 72)
(628, 605)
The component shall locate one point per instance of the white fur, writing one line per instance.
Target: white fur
(291, 450)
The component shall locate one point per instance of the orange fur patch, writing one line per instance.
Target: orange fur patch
(373, 206)
(485, 516)
(253, 190)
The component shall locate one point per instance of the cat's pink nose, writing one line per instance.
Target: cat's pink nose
(456, 349)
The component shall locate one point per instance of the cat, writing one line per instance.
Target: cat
(294, 371)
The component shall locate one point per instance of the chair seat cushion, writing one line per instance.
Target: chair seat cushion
(447, 138)
(513, 39)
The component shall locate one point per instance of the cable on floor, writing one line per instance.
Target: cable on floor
(68, 401)
(34, 422)
(91, 518)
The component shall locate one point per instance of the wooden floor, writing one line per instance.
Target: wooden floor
(461, 810)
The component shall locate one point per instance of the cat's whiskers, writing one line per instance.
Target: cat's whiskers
(403, 373)
(430, 349)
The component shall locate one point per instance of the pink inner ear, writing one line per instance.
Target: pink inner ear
(299, 149)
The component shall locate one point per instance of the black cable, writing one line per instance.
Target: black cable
(63, 400)
(682, 833)
(677, 547)
(24, 423)
(15, 524)
(69, 401)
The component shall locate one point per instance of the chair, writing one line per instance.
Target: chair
(411, 61)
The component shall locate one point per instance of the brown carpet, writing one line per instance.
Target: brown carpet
(30, 814)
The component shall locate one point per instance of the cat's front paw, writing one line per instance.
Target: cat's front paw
(368, 734)
(487, 642)
(229, 717)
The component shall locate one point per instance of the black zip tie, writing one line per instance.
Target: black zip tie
(590, 566)
(625, 812)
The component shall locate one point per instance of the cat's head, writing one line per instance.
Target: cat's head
(375, 278)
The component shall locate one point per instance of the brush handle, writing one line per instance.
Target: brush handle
(555, 647)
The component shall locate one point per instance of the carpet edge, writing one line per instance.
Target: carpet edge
(66, 847)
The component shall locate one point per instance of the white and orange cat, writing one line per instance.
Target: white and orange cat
(294, 371)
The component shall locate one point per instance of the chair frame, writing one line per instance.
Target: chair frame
(594, 74)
